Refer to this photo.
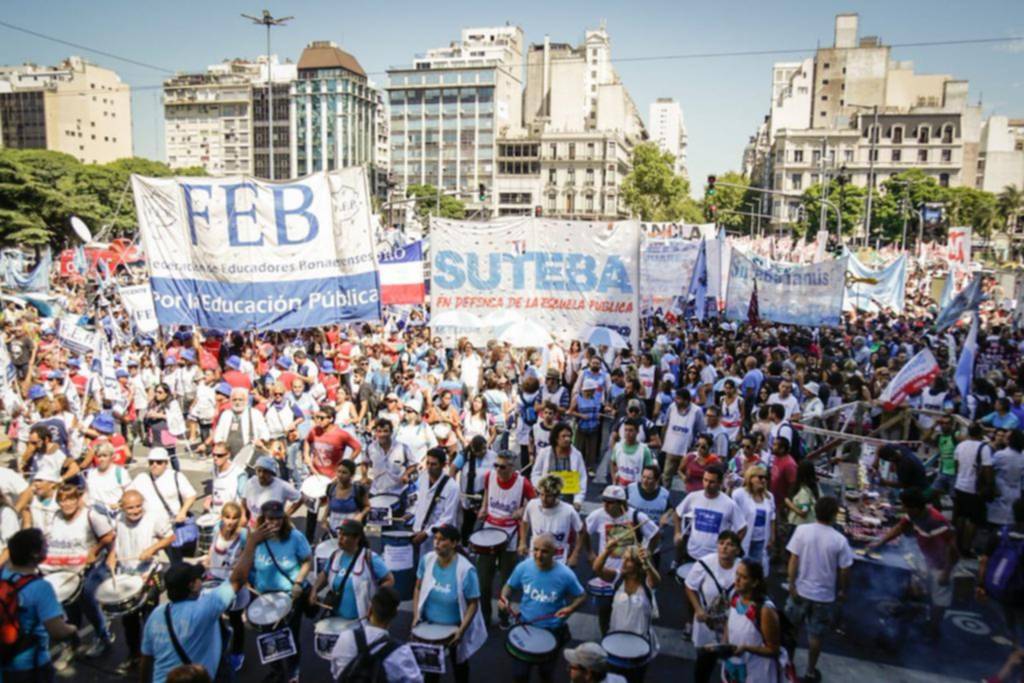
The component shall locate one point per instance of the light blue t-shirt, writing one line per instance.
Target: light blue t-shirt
(347, 608)
(544, 592)
(442, 604)
(37, 604)
(290, 554)
(197, 627)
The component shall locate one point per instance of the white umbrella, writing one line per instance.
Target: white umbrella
(603, 336)
(501, 319)
(456, 318)
(527, 334)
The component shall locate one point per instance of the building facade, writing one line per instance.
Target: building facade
(333, 111)
(75, 107)
(448, 110)
(1001, 154)
(282, 77)
(668, 130)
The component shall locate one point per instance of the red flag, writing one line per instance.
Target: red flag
(753, 313)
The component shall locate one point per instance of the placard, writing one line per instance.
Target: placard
(276, 645)
(429, 657)
(570, 481)
(399, 557)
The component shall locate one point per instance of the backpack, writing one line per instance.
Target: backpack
(1004, 578)
(12, 639)
(797, 447)
(368, 666)
(529, 410)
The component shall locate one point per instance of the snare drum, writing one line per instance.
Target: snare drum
(683, 571)
(207, 528)
(314, 489)
(626, 650)
(268, 612)
(326, 632)
(387, 500)
(531, 644)
(322, 554)
(67, 586)
(122, 594)
(438, 634)
(599, 588)
(488, 541)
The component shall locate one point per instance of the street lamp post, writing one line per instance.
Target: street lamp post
(268, 20)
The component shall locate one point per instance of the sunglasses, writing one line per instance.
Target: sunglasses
(220, 455)
(501, 467)
(319, 417)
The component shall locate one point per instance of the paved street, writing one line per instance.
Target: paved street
(865, 650)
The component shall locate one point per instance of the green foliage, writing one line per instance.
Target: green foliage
(40, 190)
(653, 192)
(728, 200)
(426, 202)
(847, 199)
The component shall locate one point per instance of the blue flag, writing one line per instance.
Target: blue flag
(967, 300)
(965, 366)
(699, 282)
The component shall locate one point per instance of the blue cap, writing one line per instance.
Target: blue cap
(182, 335)
(189, 355)
(121, 373)
(36, 391)
(74, 363)
(96, 365)
(117, 358)
(103, 422)
(224, 388)
(234, 362)
(55, 374)
(146, 341)
(132, 363)
(327, 366)
(214, 334)
(284, 362)
(268, 463)
(170, 360)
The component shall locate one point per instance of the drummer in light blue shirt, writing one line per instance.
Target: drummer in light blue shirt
(448, 593)
(354, 572)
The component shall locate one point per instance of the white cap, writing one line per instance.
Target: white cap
(614, 493)
(158, 454)
(589, 385)
(812, 388)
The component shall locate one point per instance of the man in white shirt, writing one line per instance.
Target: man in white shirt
(167, 494)
(241, 426)
(399, 662)
(266, 485)
(228, 483)
(386, 463)
(820, 558)
(437, 500)
(703, 515)
(784, 397)
(549, 514)
(685, 424)
(973, 465)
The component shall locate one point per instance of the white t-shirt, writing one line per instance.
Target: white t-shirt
(10, 524)
(107, 487)
(168, 486)
(69, 541)
(599, 523)
(966, 456)
(758, 516)
(132, 539)
(224, 487)
(256, 494)
(706, 518)
(418, 437)
(822, 552)
(789, 403)
(681, 430)
(561, 521)
(703, 584)
(12, 484)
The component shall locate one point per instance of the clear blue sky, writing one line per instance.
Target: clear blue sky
(723, 98)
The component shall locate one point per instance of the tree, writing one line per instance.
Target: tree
(653, 192)
(729, 200)
(426, 202)
(841, 196)
(1010, 205)
(973, 207)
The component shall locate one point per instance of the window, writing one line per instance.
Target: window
(797, 181)
(824, 82)
(897, 155)
(944, 180)
(947, 134)
(922, 155)
(873, 155)
(552, 202)
(897, 135)
(572, 150)
(923, 134)
(798, 155)
(947, 155)
(552, 176)
(816, 156)
(825, 65)
(847, 155)
(824, 98)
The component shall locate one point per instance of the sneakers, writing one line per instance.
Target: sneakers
(236, 661)
(100, 647)
(129, 666)
(811, 677)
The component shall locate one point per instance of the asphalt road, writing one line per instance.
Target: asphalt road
(879, 637)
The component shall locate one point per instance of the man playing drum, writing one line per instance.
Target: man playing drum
(437, 502)
(549, 514)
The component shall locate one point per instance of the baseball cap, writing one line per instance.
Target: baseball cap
(613, 493)
(327, 366)
(103, 422)
(447, 531)
(170, 360)
(36, 392)
(224, 388)
(234, 362)
(284, 362)
(589, 656)
(351, 527)
(266, 462)
(589, 385)
(189, 355)
(272, 509)
(158, 454)
(74, 363)
(55, 374)
(121, 373)
(179, 577)
(634, 404)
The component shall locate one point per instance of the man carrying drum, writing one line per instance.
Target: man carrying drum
(386, 463)
(140, 537)
(549, 514)
(506, 493)
(448, 595)
(437, 502)
(550, 594)
(471, 465)
(166, 492)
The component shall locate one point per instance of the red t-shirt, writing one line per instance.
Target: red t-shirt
(286, 378)
(529, 493)
(327, 448)
(694, 471)
(934, 536)
(237, 379)
(119, 444)
(783, 477)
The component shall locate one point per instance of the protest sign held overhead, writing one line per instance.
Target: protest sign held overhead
(565, 276)
(868, 289)
(666, 268)
(401, 274)
(138, 301)
(238, 253)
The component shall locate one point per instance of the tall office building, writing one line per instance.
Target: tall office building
(668, 130)
(75, 107)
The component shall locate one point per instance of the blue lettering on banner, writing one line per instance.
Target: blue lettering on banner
(708, 521)
(680, 428)
(550, 271)
(234, 197)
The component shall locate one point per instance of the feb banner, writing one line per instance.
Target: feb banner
(917, 374)
(76, 339)
(138, 301)
(237, 253)
(564, 275)
(666, 267)
(401, 274)
(810, 295)
(873, 290)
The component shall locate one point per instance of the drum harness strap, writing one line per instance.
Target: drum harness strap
(159, 495)
(182, 655)
(276, 565)
(344, 579)
(438, 491)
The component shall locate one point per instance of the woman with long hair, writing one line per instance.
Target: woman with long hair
(803, 495)
(229, 540)
(352, 575)
(476, 421)
(752, 628)
(756, 503)
(164, 422)
(345, 498)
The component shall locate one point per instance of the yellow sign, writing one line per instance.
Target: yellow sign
(570, 480)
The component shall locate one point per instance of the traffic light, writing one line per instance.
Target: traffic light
(710, 209)
(710, 192)
(481, 190)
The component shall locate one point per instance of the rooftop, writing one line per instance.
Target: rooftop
(325, 54)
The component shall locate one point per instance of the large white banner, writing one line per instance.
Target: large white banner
(239, 253)
(810, 295)
(872, 290)
(564, 275)
(138, 301)
(666, 267)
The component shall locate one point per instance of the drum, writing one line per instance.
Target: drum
(207, 528)
(326, 632)
(313, 489)
(67, 586)
(399, 556)
(268, 612)
(385, 501)
(488, 541)
(242, 597)
(438, 634)
(442, 430)
(599, 588)
(683, 571)
(531, 644)
(322, 554)
(626, 650)
(122, 594)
